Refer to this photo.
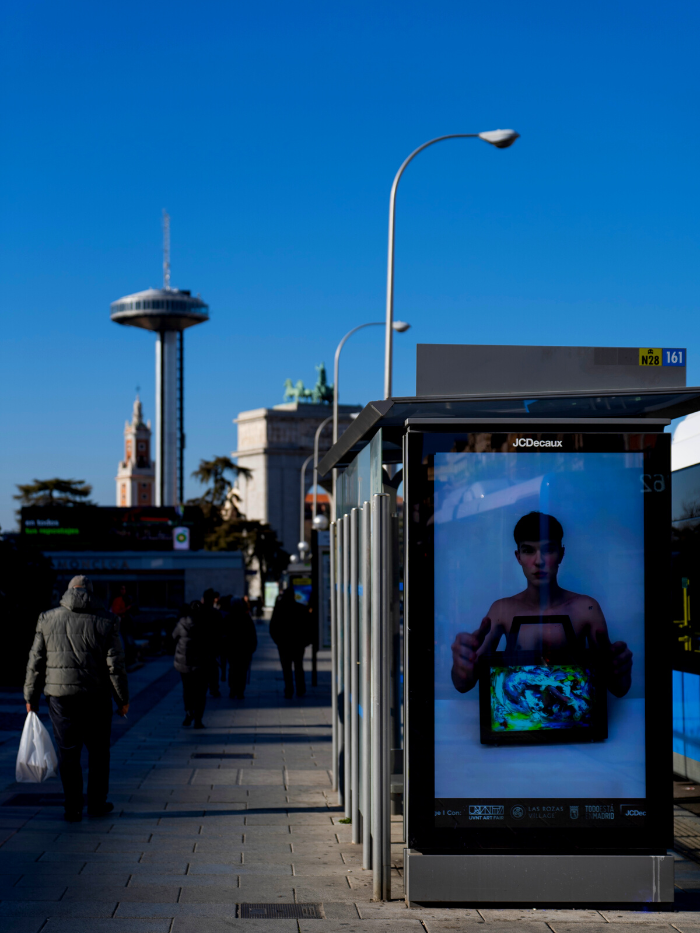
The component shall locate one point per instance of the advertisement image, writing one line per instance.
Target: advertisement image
(539, 603)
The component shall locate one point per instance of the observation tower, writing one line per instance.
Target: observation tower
(168, 312)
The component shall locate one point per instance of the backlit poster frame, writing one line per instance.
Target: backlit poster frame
(649, 832)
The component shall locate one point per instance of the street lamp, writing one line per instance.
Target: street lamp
(399, 326)
(317, 437)
(501, 139)
(303, 546)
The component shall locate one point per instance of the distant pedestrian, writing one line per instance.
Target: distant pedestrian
(239, 643)
(123, 607)
(78, 662)
(290, 629)
(194, 656)
(211, 614)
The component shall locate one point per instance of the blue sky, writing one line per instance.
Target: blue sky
(271, 132)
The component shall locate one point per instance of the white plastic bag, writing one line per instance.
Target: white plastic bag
(36, 759)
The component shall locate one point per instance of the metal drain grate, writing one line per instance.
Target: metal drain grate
(222, 755)
(281, 911)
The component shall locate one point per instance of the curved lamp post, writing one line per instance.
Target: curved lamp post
(398, 326)
(501, 139)
(317, 437)
(303, 546)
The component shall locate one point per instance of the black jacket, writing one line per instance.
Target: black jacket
(240, 637)
(194, 648)
(76, 649)
(290, 625)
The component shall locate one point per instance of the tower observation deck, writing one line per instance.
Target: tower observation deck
(168, 312)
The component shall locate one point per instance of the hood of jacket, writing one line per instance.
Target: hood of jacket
(79, 600)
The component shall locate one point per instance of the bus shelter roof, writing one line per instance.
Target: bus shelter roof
(555, 409)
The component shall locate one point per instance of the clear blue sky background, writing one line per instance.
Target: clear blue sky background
(271, 131)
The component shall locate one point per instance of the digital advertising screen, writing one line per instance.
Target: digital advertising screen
(302, 590)
(547, 565)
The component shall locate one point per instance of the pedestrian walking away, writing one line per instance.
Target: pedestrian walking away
(212, 618)
(195, 653)
(78, 662)
(290, 629)
(239, 643)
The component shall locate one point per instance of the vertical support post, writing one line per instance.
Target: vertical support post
(381, 816)
(166, 418)
(340, 668)
(347, 681)
(365, 689)
(181, 418)
(334, 655)
(386, 585)
(160, 417)
(354, 679)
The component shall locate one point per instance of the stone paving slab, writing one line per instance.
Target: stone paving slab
(361, 926)
(228, 924)
(62, 925)
(22, 925)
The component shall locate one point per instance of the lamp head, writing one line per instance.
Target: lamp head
(501, 139)
(401, 327)
(320, 522)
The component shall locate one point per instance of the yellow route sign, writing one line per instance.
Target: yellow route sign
(650, 357)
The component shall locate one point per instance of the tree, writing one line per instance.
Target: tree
(66, 492)
(225, 528)
(214, 473)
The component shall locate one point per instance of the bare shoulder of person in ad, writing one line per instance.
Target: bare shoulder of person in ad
(540, 551)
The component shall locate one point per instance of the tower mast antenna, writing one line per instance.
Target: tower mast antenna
(166, 250)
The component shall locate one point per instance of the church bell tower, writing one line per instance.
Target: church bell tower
(136, 476)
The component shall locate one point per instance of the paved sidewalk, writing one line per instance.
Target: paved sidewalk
(242, 813)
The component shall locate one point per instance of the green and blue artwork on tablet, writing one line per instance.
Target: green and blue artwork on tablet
(532, 697)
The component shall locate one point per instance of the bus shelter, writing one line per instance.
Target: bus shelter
(501, 643)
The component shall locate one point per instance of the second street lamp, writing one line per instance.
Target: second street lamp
(398, 326)
(501, 139)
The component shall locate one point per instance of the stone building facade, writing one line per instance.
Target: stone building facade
(273, 443)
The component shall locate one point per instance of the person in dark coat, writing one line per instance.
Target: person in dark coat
(239, 643)
(290, 629)
(194, 655)
(213, 619)
(78, 662)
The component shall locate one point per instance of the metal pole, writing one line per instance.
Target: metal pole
(379, 804)
(302, 532)
(334, 656)
(366, 675)
(347, 681)
(354, 679)
(389, 332)
(336, 376)
(386, 584)
(181, 419)
(316, 440)
(339, 670)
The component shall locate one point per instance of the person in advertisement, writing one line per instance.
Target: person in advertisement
(540, 552)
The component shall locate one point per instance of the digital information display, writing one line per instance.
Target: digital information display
(548, 556)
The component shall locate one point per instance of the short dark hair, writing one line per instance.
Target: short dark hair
(538, 526)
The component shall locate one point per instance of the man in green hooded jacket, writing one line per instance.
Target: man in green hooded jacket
(77, 661)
